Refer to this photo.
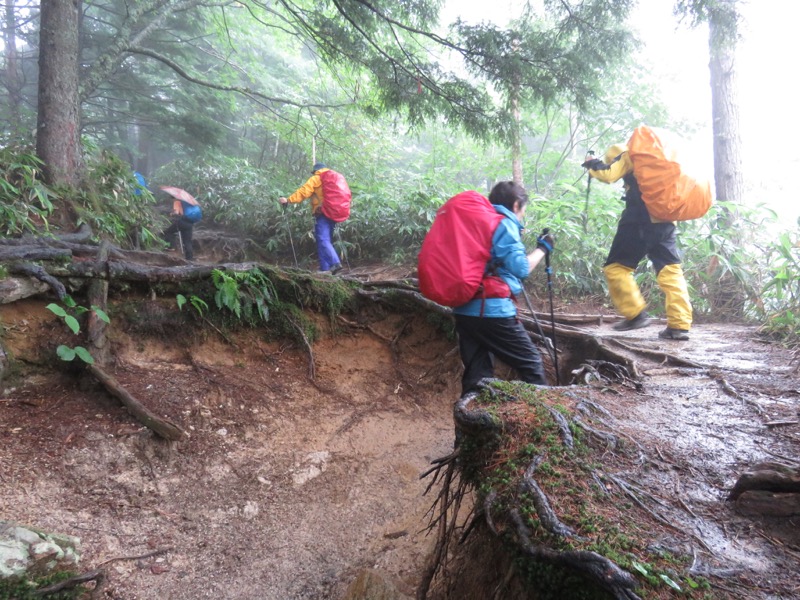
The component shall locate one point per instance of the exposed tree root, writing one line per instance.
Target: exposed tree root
(41, 274)
(598, 568)
(658, 356)
(547, 516)
(604, 372)
(482, 428)
(444, 517)
(311, 366)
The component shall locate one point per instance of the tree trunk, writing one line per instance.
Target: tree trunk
(12, 69)
(58, 125)
(724, 107)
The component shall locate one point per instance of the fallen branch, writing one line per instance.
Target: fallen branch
(12, 253)
(158, 552)
(781, 423)
(163, 427)
(97, 575)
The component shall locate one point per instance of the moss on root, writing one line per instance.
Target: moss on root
(536, 439)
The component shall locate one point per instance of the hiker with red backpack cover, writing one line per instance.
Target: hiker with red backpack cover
(330, 204)
(474, 261)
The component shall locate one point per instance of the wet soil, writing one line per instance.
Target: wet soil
(289, 486)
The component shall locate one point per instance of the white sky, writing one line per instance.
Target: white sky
(766, 71)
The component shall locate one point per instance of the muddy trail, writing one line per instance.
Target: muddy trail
(302, 469)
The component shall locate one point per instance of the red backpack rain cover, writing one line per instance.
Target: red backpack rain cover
(336, 196)
(452, 262)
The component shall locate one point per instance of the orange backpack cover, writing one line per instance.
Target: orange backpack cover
(668, 193)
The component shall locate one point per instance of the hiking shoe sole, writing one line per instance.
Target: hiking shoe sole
(674, 334)
(639, 321)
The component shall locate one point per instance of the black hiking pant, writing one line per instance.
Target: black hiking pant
(185, 227)
(633, 241)
(481, 339)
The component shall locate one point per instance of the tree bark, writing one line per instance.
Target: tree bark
(13, 81)
(724, 105)
(58, 121)
(11, 253)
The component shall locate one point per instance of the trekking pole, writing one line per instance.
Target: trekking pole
(551, 349)
(291, 241)
(344, 249)
(589, 156)
(549, 272)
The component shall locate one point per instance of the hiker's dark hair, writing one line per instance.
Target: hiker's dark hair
(506, 193)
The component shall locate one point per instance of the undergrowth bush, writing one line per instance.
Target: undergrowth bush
(780, 297)
(106, 200)
(26, 203)
(112, 203)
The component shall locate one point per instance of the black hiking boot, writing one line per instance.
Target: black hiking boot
(637, 322)
(336, 268)
(673, 334)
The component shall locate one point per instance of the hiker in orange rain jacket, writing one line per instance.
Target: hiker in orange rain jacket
(326, 215)
(639, 235)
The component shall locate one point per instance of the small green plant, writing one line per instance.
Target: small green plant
(196, 302)
(247, 294)
(68, 353)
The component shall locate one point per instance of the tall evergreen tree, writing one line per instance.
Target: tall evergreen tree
(384, 52)
(58, 118)
(722, 17)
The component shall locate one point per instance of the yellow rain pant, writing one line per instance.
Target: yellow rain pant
(624, 291)
(678, 308)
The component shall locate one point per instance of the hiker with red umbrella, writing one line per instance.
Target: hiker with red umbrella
(185, 213)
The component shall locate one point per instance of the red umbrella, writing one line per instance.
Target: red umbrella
(180, 194)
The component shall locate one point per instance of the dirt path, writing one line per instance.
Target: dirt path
(288, 487)
(704, 427)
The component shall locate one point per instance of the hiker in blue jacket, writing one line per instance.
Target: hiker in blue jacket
(487, 327)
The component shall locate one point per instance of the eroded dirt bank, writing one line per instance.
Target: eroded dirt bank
(286, 487)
